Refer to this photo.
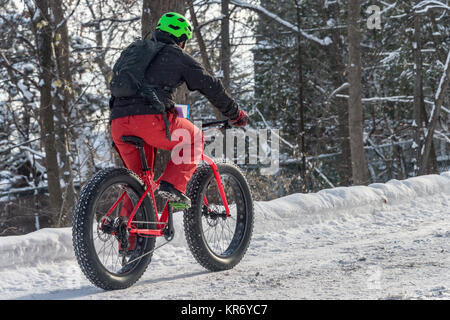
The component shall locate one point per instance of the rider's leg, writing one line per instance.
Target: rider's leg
(131, 159)
(187, 150)
(151, 128)
(185, 157)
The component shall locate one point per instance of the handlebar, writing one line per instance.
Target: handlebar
(222, 123)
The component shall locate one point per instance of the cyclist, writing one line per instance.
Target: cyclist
(133, 116)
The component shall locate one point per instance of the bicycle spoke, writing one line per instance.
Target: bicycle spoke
(220, 230)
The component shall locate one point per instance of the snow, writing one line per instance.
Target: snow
(327, 3)
(382, 241)
(37, 15)
(26, 93)
(331, 22)
(37, 247)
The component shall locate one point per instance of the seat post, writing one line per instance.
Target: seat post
(139, 144)
(143, 159)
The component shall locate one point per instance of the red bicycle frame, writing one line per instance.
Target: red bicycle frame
(162, 219)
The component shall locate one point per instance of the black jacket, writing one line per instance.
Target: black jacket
(170, 69)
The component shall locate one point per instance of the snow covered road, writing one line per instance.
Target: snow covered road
(385, 241)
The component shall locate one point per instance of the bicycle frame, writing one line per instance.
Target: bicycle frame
(162, 219)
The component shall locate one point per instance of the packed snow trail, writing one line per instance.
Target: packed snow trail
(385, 241)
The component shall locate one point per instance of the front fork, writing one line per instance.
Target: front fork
(215, 169)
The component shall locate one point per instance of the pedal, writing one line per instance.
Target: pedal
(179, 205)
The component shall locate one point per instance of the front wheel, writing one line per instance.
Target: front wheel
(217, 241)
(108, 255)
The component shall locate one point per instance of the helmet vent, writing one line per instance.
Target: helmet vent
(174, 27)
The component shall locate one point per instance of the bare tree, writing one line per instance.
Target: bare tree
(300, 112)
(225, 49)
(105, 68)
(337, 68)
(355, 114)
(418, 90)
(420, 114)
(63, 103)
(199, 37)
(43, 35)
(439, 99)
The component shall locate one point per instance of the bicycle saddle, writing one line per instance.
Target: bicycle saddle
(136, 141)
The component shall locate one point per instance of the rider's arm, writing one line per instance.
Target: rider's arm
(197, 78)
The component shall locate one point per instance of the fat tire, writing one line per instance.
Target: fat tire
(82, 228)
(192, 217)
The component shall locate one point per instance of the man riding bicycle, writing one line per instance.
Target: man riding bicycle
(137, 116)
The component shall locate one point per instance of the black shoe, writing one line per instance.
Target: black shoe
(176, 198)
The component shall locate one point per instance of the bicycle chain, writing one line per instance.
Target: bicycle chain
(145, 254)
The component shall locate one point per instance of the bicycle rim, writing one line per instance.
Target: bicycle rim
(221, 233)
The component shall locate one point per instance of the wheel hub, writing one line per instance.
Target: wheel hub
(118, 228)
(213, 215)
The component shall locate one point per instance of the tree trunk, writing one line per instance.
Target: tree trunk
(337, 68)
(225, 49)
(301, 107)
(43, 34)
(99, 59)
(355, 114)
(199, 38)
(202, 47)
(63, 100)
(152, 10)
(418, 92)
(439, 99)
(106, 70)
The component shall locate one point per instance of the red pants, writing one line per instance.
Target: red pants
(186, 145)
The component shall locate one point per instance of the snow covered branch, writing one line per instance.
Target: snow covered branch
(261, 10)
(342, 87)
(426, 5)
(378, 99)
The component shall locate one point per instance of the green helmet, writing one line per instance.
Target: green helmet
(177, 25)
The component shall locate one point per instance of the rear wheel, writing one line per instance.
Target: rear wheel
(217, 241)
(107, 254)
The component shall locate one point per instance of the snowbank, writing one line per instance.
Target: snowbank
(48, 245)
(300, 209)
(44, 245)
